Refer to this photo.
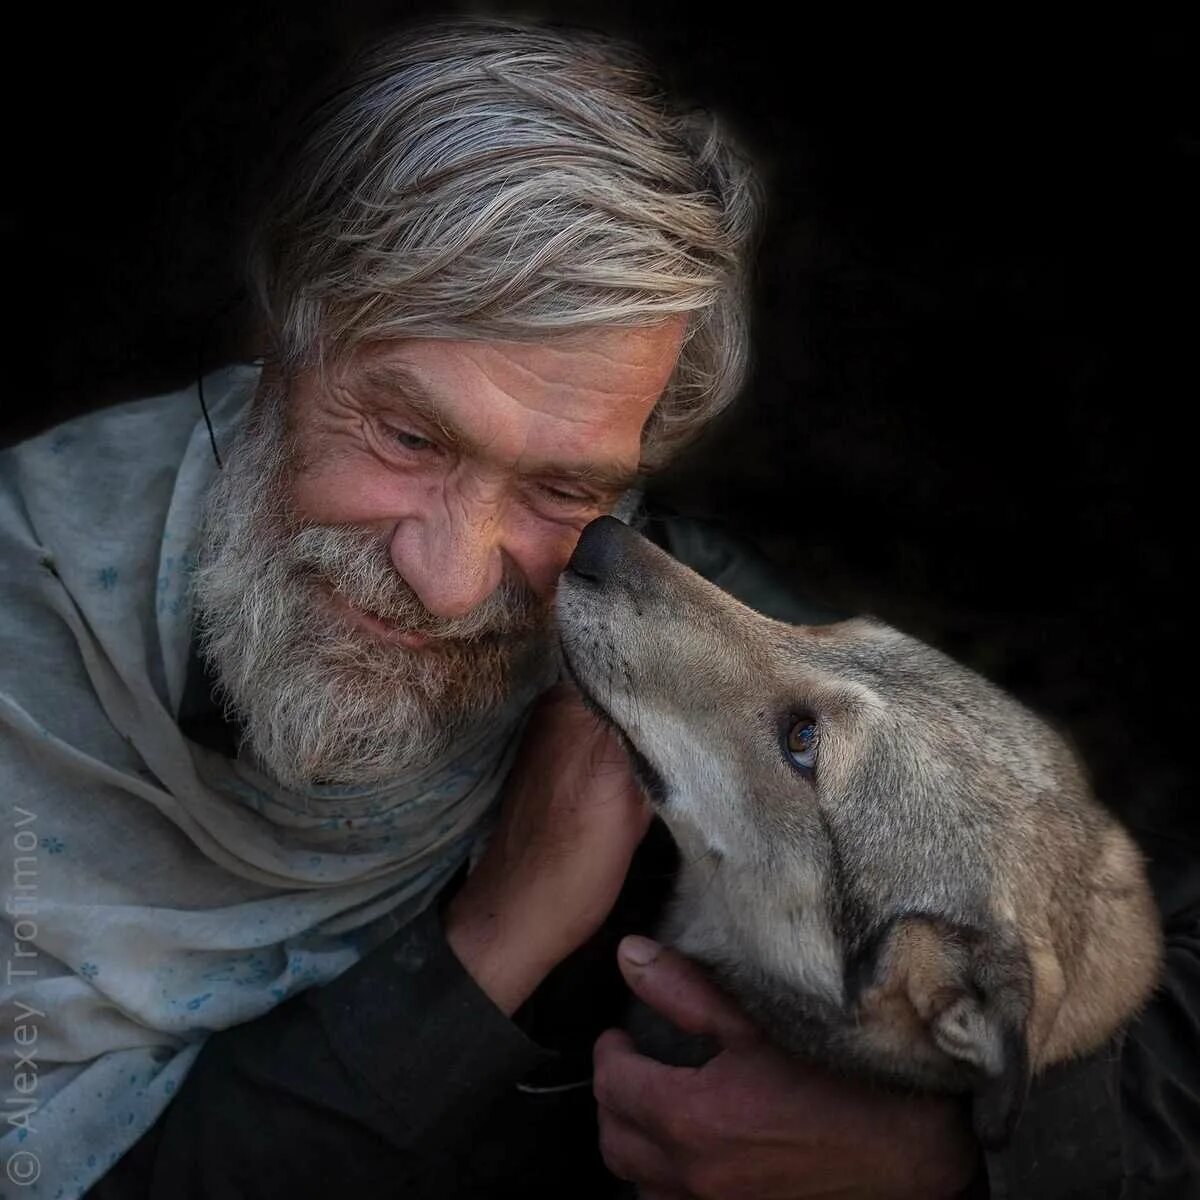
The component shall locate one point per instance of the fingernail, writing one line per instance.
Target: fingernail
(639, 951)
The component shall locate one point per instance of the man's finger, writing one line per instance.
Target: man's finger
(629, 1154)
(677, 988)
(637, 1089)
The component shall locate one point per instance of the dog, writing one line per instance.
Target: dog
(896, 868)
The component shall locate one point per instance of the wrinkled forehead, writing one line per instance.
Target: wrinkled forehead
(584, 395)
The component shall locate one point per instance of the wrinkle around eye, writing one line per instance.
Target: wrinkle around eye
(383, 438)
(538, 497)
(564, 497)
(397, 436)
(574, 512)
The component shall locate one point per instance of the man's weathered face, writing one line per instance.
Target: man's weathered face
(475, 460)
(380, 554)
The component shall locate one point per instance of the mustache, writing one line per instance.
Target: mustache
(357, 564)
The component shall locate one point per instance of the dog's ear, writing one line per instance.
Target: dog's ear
(970, 992)
(985, 1032)
(1002, 982)
(1000, 1097)
(984, 1026)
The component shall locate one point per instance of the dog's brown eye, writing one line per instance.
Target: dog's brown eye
(802, 743)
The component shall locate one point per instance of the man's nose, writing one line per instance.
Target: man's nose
(452, 560)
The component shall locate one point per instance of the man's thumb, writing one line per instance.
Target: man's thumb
(678, 988)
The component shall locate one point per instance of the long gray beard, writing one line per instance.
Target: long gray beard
(320, 700)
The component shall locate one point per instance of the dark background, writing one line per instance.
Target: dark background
(976, 317)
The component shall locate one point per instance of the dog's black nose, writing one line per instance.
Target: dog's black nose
(600, 549)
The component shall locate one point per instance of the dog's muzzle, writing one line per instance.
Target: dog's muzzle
(606, 555)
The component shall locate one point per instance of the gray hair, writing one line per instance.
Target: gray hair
(485, 178)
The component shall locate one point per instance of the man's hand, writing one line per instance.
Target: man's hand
(571, 819)
(753, 1124)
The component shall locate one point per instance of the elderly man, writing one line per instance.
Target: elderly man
(264, 683)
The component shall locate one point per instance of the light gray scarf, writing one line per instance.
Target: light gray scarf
(154, 890)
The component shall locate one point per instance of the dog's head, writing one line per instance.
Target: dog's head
(763, 737)
(860, 804)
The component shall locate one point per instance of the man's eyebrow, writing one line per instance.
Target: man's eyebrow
(398, 379)
(610, 480)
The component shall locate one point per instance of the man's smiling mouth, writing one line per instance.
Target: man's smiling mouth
(375, 624)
